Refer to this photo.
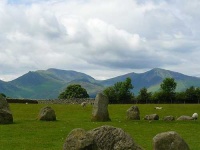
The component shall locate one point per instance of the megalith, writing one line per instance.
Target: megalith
(79, 139)
(169, 141)
(47, 114)
(101, 138)
(100, 108)
(133, 113)
(112, 138)
(6, 116)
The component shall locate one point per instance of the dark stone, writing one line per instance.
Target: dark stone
(6, 116)
(151, 117)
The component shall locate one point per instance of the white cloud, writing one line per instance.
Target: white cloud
(95, 36)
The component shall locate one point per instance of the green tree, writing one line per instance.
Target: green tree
(2, 95)
(191, 95)
(180, 97)
(168, 87)
(74, 91)
(144, 96)
(120, 92)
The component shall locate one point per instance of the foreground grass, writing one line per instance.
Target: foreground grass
(27, 133)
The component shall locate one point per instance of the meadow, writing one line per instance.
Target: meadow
(27, 133)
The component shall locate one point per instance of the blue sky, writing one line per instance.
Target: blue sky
(101, 38)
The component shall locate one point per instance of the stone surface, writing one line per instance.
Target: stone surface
(168, 118)
(47, 114)
(169, 141)
(185, 118)
(100, 108)
(151, 117)
(111, 138)
(6, 116)
(4, 104)
(79, 139)
(133, 113)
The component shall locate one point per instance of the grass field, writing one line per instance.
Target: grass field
(27, 133)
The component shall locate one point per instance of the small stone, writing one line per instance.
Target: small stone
(47, 114)
(133, 113)
(151, 117)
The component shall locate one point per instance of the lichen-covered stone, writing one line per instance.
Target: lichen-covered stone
(111, 138)
(133, 113)
(47, 114)
(151, 117)
(168, 118)
(169, 141)
(79, 139)
(6, 116)
(100, 108)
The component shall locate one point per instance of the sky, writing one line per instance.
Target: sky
(103, 39)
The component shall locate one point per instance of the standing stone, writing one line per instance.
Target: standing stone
(4, 104)
(111, 138)
(100, 108)
(79, 139)
(133, 113)
(47, 114)
(151, 117)
(169, 141)
(6, 116)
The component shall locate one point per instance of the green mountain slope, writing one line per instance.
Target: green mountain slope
(47, 84)
(152, 79)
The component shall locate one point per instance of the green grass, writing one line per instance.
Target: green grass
(27, 133)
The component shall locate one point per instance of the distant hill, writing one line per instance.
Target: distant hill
(47, 84)
(153, 78)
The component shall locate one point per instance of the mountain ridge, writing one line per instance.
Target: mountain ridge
(47, 84)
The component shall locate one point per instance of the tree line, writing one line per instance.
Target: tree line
(120, 92)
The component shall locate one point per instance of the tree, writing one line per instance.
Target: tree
(120, 92)
(168, 87)
(191, 95)
(2, 95)
(74, 91)
(144, 96)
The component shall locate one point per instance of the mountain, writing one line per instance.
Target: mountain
(153, 78)
(47, 84)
